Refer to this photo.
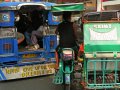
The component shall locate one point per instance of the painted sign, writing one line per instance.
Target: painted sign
(111, 35)
(9, 32)
(26, 71)
(101, 37)
(102, 31)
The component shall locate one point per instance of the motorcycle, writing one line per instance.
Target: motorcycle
(65, 61)
(65, 69)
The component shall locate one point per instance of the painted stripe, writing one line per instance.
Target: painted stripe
(2, 76)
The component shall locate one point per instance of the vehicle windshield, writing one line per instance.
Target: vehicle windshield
(102, 16)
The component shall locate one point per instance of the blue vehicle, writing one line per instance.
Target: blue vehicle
(15, 60)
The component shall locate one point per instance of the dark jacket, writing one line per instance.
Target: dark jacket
(67, 35)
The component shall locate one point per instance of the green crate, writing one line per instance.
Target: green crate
(102, 73)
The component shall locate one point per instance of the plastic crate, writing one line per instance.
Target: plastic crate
(102, 73)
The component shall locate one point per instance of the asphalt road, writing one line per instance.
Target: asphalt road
(36, 83)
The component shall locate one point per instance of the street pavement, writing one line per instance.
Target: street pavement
(36, 83)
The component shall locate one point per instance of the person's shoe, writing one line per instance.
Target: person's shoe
(36, 46)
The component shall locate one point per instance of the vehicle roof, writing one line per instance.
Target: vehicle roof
(95, 13)
(17, 5)
(5, 4)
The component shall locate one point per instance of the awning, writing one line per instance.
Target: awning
(68, 7)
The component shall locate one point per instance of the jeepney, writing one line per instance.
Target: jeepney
(15, 60)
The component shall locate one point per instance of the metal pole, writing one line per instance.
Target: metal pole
(98, 5)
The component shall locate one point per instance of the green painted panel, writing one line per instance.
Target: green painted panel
(102, 37)
(68, 7)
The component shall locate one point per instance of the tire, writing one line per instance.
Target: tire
(67, 87)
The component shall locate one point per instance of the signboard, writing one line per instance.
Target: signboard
(9, 32)
(108, 34)
(26, 71)
(102, 37)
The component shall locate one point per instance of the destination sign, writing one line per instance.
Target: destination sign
(7, 32)
(28, 71)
